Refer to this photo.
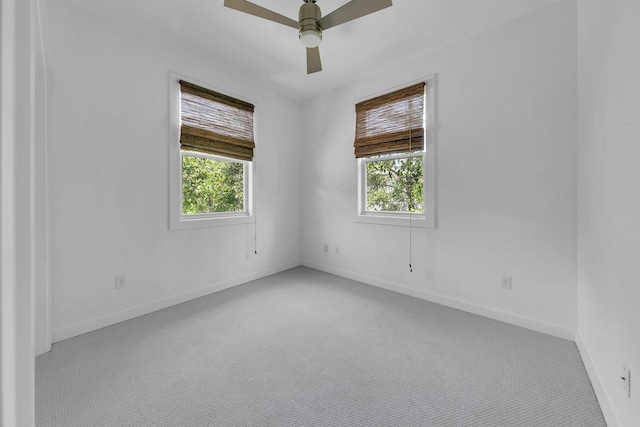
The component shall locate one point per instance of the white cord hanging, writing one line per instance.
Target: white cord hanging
(255, 213)
(410, 214)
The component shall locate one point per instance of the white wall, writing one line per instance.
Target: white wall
(609, 201)
(42, 295)
(109, 186)
(506, 167)
(17, 228)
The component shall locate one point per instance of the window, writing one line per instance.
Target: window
(395, 149)
(212, 184)
(212, 157)
(394, 183)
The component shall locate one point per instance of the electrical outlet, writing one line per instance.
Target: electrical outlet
(326, 248)
(626, 378)
(505, 282)
(337, 250)
(121, 281)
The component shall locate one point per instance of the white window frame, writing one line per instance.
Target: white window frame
(364, 184)
(427, 218)
(177, 219)
(246, 174)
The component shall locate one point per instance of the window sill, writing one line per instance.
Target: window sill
(187, 223)
(396, 221)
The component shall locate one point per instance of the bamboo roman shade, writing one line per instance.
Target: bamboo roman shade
(213, 123)
(391, 123)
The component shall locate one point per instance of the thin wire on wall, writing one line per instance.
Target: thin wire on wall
(410, 215)
(255, 212)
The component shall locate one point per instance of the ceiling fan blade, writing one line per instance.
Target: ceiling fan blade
(261, 12)
(352, 10)
(313, 60)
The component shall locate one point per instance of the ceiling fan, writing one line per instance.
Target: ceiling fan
(311, 23)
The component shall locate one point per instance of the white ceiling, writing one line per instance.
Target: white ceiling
(274, 53)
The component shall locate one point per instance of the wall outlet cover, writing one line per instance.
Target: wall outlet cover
(505, 282)
(121, 281)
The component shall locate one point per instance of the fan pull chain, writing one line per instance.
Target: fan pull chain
(255, 213)
(410, 214)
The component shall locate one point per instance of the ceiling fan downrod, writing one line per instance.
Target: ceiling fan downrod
(310, 33)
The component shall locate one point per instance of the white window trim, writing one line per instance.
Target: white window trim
(178, 220)
(362, 185)
(426, 219)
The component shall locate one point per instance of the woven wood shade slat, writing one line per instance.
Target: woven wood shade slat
(391, 123)
(219, 147)
(416, 135)
(214, 123)
(398, 142)
(203, 134)
(417, 89)
(202, 92)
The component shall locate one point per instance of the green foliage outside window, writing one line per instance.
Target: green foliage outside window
(395, 185)
(210, 185)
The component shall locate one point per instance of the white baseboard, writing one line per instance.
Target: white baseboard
(507, 317)
(121, 316)
(596, 383)
(492, 313)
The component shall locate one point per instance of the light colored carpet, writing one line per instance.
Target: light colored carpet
(305, 348)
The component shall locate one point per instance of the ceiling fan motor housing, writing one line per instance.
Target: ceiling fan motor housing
(309, 16)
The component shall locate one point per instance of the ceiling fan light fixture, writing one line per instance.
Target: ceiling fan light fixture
(310, 38)
(311, 23)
